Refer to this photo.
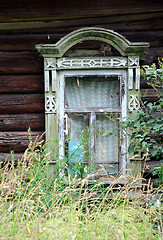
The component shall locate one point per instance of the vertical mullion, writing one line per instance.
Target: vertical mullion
(92, 136)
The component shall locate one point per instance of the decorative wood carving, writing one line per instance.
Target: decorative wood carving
(50, 105)
(137, 78)
(130, 78)
(133, 61)
(50, 74)
(49, 63)
(111, 62)
(133, 103)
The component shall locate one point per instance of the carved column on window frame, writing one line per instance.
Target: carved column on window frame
(50, 74)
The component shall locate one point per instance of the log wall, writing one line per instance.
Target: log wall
(26, 23)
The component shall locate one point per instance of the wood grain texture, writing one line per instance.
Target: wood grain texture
(4, 157)
(64, 8)
(16, 141)
(27, 42)
(149, 95)
(21, 84)
(149, 165)
(152, 55)
(20, 63)
(21, 122)
(118, 23)
(21, 103)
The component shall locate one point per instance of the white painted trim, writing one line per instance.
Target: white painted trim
(88, 72)
(92, 62)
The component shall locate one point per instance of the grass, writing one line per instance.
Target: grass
(33, 206)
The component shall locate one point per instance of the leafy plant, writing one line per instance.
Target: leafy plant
(34, 206)
(147, 130)
(147, 123)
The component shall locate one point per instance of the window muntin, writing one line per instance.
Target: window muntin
(87, 115)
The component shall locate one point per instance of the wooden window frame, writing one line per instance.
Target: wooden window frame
(122, 110)
(55, 63)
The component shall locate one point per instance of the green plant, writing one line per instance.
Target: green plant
(146, 123)
(147, 130)
(32, 206)
(154, 76)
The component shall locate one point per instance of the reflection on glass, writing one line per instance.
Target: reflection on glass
(75, 145)
(93, 91)
(106, 143)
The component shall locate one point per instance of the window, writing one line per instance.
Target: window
(86, 90)
(91, 99)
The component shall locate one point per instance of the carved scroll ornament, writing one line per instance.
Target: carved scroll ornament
(133, 103)
(78, 63)
(50, 105)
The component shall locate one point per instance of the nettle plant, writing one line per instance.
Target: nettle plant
(146, 123)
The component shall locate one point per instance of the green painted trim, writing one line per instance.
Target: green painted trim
(124, 47)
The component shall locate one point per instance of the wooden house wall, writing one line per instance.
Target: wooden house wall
(26, 23)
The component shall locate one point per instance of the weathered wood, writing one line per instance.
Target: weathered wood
(16, 141)
(68, 26)
(21, 103)
(4, 157)
(152, 55)
(149, 165)
(21, 84)
(64, 8)
(20, 62)
(21, 122)
(149, 95)
(26, 42)
(146, 36)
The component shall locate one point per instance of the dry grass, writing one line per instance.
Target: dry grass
(33, 206)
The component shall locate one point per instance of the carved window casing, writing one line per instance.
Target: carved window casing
(85, 91)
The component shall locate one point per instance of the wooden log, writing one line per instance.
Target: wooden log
(67, 26)
(149, 95)
(119, 22)
(4, 157)
(152, 55)
(16, 141)
(145, 36)
(21, 122)
(21, 103)
(64, 8)
(20, 62)
(21, 84)
(149, 166)
(26, 42)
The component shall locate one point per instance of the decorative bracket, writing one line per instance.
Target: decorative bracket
(50, 105)
(133, 103)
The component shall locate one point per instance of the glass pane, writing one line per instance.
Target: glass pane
(77, 123)
(92, 91)
(106, 144)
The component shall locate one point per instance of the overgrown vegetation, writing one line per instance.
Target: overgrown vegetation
(35, 206)
(147, 122)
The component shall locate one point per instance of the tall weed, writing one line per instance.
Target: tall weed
(34, 206)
